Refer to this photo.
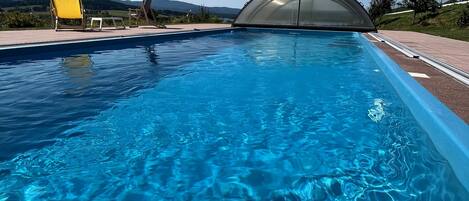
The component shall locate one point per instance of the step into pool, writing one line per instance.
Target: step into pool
(249, 114)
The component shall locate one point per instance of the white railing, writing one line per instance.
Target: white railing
(444, 5)
(455, 3)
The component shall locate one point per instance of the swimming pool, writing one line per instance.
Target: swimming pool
(243, 115)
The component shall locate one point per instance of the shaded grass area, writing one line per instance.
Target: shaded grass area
(443, 23)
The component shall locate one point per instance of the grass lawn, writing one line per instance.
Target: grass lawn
(441, 24)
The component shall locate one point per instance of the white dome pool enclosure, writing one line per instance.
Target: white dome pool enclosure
(346, 15)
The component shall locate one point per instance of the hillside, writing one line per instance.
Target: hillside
(89, 4)
(443, 23)
(185, 7)
(167, 5)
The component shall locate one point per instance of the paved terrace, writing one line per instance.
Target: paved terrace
(11, 38)
(450, 51)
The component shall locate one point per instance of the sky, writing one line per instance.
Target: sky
(234, 3)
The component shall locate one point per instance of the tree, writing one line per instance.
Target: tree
(421, 6)
(204, 13)
(463, 20)
(379, 7)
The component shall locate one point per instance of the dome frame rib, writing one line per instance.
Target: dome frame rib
(368, 25)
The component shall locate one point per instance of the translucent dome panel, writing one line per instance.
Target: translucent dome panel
(320, 14)
(281, 12)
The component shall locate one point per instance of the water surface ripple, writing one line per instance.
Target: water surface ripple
(236, 116)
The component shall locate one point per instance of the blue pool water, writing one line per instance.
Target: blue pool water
(249, 115)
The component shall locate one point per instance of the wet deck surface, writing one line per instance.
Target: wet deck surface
(451, 92)
(12, 38)
(450, 51)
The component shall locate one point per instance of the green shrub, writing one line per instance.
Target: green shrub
(379, 7)
(20, 20)
(198, 18)
(421, 6)
(463, 20)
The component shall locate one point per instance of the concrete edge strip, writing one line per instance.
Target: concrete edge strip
(41, 44)
(448, 69)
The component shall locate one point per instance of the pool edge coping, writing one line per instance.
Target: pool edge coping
(7, 49)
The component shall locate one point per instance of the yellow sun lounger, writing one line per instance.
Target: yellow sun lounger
(68, 10)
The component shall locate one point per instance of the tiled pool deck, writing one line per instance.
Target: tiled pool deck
(12, 38)
(451, 92)
(450, 51)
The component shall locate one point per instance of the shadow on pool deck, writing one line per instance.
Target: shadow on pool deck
(451, 92)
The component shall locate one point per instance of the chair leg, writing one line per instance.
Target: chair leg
(114, 22)
(101, 25)
(56, 24)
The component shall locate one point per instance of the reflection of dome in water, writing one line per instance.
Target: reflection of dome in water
(78, 61)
